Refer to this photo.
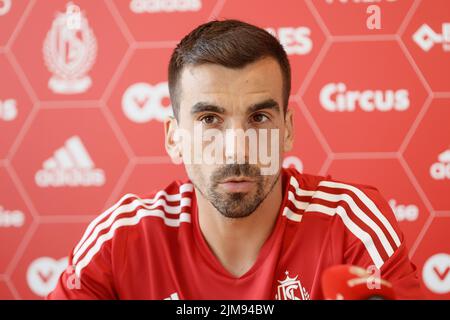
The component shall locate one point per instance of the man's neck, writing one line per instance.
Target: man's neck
(237, 242)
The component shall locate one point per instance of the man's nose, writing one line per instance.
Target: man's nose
(236, 148)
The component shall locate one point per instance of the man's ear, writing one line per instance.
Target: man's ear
(173, 147)
(288, 130)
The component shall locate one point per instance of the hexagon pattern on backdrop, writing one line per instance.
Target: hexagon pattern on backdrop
(82, 104)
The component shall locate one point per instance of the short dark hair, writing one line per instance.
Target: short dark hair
(230, 43)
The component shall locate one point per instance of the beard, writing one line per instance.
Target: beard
(238, 204)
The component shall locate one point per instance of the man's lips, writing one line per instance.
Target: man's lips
(237, 184)
(237, 179)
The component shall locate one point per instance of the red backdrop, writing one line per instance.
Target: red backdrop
(82, 95)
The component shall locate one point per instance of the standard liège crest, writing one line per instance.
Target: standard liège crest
(70, 53)
(291, 289)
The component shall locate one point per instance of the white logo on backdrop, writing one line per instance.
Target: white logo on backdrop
(336, 97)
(5, 6)
(43, 274)
(350, 2)
(11, 218)
(8, 109)
(404, 212)
(167, 6)
(436, 273)
(295, 40)
(426, 38)
(70, 166)
(143, 102)
(70, 52)
(441, 170)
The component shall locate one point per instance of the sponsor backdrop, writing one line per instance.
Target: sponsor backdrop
(83, 92)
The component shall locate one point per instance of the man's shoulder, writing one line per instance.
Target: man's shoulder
(169, 206)
(351, 204)
(332, 197)
(348, 210)
(134, 220)
(166, 209)
(314, 182)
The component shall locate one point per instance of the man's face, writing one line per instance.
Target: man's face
(220, 100)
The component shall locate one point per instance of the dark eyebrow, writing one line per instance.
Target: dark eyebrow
(267, 104)
(208, 107)
(204, 106)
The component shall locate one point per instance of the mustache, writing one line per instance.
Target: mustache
(237, 170)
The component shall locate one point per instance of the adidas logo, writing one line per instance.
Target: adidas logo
(70, 166)
(441, 170)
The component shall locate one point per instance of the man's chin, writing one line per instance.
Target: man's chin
(235, 213)
(235, 205)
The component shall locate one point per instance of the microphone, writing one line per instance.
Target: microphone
(347, 282)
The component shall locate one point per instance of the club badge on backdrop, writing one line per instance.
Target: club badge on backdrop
(70, 50)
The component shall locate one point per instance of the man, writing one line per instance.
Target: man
(237, 229)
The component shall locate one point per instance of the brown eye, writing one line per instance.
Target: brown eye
(259, 118)
(210, 119)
